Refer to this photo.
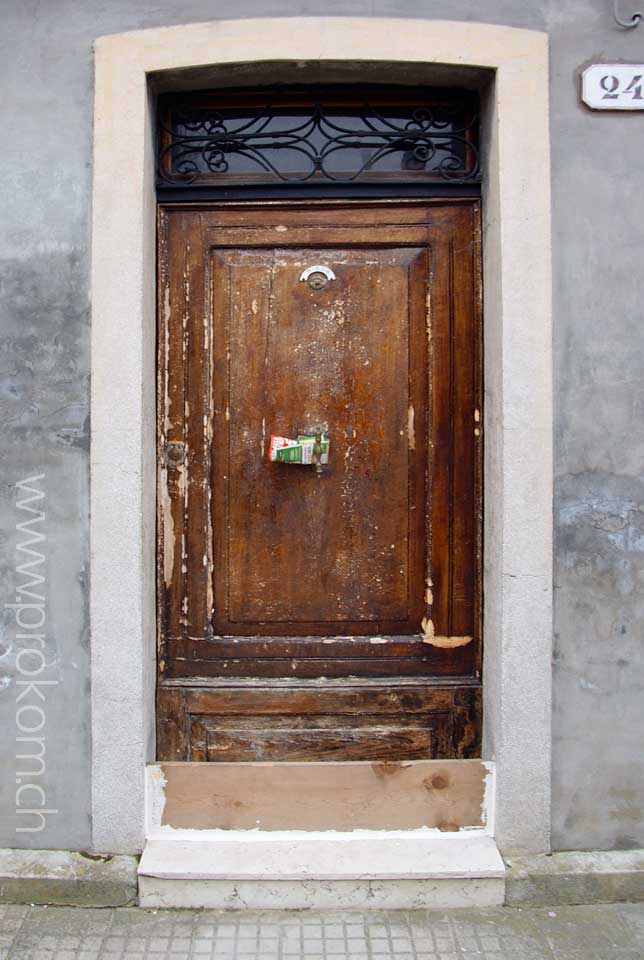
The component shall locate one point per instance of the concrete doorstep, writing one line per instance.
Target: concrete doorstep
(63, 878)
(325, 870)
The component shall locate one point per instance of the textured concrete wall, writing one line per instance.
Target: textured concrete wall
(46, 109)
(599, 507)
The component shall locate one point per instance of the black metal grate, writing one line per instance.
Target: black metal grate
(294, 135)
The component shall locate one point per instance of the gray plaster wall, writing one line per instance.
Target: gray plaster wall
(46, 111)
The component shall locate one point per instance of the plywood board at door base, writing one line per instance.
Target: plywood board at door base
(447, 795)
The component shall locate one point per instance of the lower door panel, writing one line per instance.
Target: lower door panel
(386, 720)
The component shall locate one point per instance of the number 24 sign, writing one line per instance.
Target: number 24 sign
(613, 86)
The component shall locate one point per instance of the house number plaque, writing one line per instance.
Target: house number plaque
(613, 86)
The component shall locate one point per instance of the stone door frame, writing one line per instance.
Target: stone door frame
(518, 382)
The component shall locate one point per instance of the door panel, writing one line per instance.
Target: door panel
(347, 720)
(297, 551)
(371, 569)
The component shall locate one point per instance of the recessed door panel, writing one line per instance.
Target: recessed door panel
(344, 548)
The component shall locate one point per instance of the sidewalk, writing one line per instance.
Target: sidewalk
(606, 932)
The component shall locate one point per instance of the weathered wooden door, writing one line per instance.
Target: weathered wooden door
(307, 614)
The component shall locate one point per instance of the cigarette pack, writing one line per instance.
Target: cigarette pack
(285, 450)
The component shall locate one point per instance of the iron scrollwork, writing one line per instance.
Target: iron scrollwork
(318, 142)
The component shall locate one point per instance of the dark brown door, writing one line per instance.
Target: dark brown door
(273, 576)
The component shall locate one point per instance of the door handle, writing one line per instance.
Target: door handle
(317, 453)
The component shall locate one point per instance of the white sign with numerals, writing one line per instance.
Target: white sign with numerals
(613, 86)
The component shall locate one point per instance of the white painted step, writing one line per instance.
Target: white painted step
(254, 855)
(251, 869)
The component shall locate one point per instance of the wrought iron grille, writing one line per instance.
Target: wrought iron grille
(290, 136)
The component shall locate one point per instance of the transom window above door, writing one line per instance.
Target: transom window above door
(334, 134)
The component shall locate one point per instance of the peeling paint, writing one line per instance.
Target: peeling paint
(428, 320)
(155, 787)
(168, 529)
(444, 643)
(166, 348)
(427, 627)
(447, 643)
(411, 432)
(487, 804)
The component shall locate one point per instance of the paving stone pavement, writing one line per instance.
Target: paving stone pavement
(606, 932)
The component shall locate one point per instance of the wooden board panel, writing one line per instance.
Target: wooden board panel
(315, 656)
(325, 796)
(212, 741)
(314, 720)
